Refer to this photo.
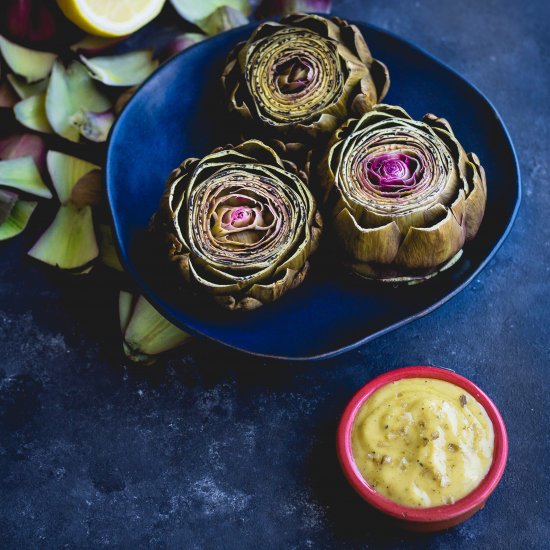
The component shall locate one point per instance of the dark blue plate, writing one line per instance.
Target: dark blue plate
(179, 112)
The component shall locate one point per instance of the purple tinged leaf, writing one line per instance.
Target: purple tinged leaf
(274, 8)
(24, 145)
(93, 126)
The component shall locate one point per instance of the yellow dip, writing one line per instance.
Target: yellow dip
(422, 442)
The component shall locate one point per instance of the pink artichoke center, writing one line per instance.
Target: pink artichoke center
(241, 216)
(391, 173)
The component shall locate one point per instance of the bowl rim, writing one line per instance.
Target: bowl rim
(468, 503)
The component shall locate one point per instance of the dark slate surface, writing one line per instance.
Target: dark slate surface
(213, 449)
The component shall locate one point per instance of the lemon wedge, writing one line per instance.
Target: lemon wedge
(111, 17)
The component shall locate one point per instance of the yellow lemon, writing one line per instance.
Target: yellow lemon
(111, 17)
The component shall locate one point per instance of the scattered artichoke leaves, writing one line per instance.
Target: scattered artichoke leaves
(146, 333)
(71, 91)
(127, 69)
(70, 242)
(30, 64)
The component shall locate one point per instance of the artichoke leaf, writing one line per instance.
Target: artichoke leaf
(146, 332)
(31, 64)
(24, 89)
(69, 242)
(17, 220)
(22, 174)
(70, 91)
(31, 113)
(127, 69)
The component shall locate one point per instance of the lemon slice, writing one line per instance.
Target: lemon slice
(111, 17)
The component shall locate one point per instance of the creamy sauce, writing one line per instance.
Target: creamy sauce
(422, 442)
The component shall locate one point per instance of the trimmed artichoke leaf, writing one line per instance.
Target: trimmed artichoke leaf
(70, 91)
(31, 64)
(223, 19)
(92, 45)
(148, 333)
(128, 69)
(94, 126)
(69, 242)
(24, 145)
(274, 8)
(195, 12)
(66, 172)
(31, 113)
(107, 250)
(25, 89)
(7, 202)
(17, 220)
(8, 98)
(22, 174)
(180, 43)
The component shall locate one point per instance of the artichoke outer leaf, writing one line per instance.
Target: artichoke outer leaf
(222, 19)
(22, 174)
(426, 247)
(196, 11)
(24, 145)
(94, 126)
(127, 69)
(24, 89)
(66, 171)
(70, 91)
(69, 242)
(31, 64)
(149, 334)
(377, 244)
(31, 113)
(17, 220)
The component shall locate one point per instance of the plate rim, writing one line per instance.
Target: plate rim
(150, 294)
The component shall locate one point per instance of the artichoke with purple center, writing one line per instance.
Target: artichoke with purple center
(404, 196)
(301, 78)
(238, 225)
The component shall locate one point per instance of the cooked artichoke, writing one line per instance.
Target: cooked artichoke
(403, 194)
(303, 76)
(238, 225)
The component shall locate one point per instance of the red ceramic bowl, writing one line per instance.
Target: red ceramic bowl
(435, 518)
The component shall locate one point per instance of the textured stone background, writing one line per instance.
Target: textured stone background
(213, 449)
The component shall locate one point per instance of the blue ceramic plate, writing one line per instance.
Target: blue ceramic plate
(179, 112)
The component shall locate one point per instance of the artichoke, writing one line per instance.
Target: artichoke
(302, 77)
(403, 194)
(238, 225)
